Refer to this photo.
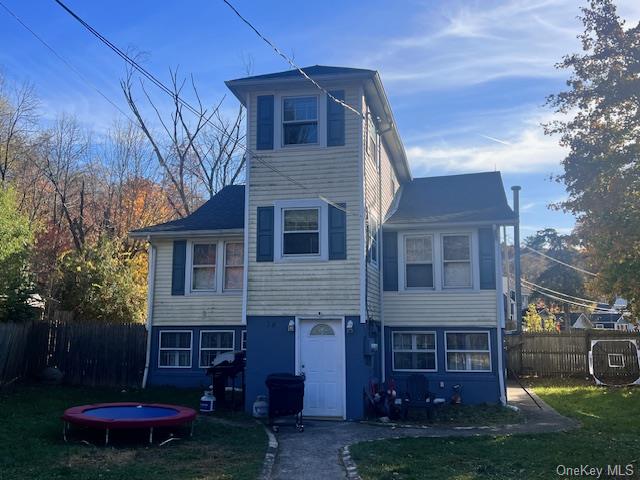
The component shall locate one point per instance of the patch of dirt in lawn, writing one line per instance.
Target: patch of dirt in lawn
(101, 458)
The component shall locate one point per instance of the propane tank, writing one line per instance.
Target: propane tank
(260, 407)
(208, 402)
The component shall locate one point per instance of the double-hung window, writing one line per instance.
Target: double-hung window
(203, 269)
(418, 259)
(214, 342)
(300, 231)
(175, 349)
(456, 261)
(468, 351)
(414, 351)
(300, 120)
(233, 265)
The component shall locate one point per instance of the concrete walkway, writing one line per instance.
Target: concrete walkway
(315, 453)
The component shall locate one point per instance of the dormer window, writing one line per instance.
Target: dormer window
(300, 120)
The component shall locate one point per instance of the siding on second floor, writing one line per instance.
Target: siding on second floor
(381, 186)
(306, 287)
(432, 291)
(220, 307)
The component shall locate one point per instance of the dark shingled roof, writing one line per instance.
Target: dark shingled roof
(315, 70)
(222, 212)
(476, 197)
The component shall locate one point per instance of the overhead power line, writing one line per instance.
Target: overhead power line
(183, 102)
(290, 61)
(64, 60)
(569, 302)
(560, 261)
(559, 293)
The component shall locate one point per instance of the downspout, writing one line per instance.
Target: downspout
(381, 342)
(501, 317)
(516, 256)
(151, 280)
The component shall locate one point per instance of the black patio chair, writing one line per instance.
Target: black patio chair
(417, 395)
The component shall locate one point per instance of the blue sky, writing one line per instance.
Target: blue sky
(467, 80)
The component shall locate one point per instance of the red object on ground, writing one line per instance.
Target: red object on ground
(129, 415)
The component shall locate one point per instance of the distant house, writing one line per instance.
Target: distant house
(582, 321)
(602, 321)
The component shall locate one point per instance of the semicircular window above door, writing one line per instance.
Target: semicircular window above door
(322, 329)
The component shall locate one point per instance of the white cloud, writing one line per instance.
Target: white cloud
(470, 43)
(526, 151)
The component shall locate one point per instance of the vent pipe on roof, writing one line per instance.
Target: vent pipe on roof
(516, 255)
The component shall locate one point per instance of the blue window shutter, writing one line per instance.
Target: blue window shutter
(335, 119)
(390, 261)
(264, 130)
(264, 244)
(337, 232)
(487, 259)
(178, 267)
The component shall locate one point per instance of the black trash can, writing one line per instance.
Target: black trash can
(286, 398)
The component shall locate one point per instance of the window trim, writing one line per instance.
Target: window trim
(599, 326)
(432, 263)
(437, 261)
(412, 332)
(372, 226)
(284, 232)
(443, 261)
(224, 266)
(233, 344)
(160, 348)
(278, 234)
(243, 340)
(447, 351)
(192, 265)
(282, 121)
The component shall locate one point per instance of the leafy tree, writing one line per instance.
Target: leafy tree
(102, 282)
(16, 240)
(533, 321)
(602, 133)
(556, 276)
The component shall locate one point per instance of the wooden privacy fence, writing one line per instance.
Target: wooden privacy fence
(562, 354)
(88, 353)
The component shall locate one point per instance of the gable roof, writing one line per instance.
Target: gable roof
(224, 211)
(466, 198)
(374, 90)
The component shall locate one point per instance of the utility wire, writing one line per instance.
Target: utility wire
(183, 102)
(560, 261)
(65, 61)
(290, 61)
(558, 293)
(597, 310)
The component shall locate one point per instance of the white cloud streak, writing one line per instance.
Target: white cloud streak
(470, 43)
(528, 151)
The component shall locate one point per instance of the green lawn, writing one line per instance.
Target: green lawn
(31, 445)
(610, 435)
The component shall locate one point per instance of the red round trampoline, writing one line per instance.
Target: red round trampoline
(127, 415)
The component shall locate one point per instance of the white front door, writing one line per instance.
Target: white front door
(321, 359)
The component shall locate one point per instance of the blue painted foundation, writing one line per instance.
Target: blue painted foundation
(477, 387)
(271, 348)
(193, 377)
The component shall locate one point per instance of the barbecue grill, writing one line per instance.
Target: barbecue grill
(225, 367)
(286, 397)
